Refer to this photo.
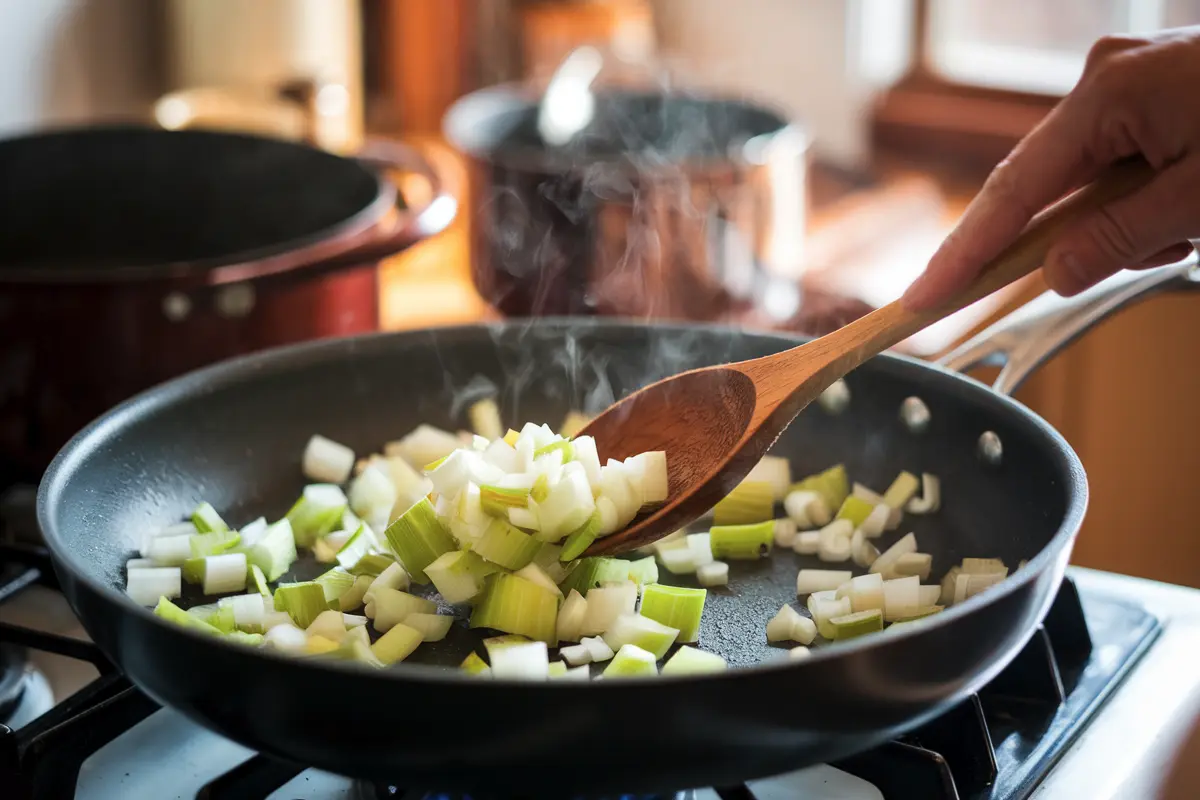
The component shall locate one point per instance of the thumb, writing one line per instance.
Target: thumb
(1126, 232)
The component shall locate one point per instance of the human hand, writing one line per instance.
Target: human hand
(1137, 97)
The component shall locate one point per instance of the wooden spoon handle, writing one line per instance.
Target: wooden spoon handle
(893, 323)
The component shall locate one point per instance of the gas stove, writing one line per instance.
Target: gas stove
(1093, 707)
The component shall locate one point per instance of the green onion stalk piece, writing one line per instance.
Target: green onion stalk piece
(497, 500)
(568, 450)
(515, 605)
(302, 601)
(459, 575)
(213, 543)
(643, 571)
(397, 644)
(742, 541)
(474, 665)
(857, 624)
(646, 633)
(855, 509)
(750, 501)
(507, 545)
(690, 661)
(631, 661)
(581, 538)
(418, 537)
(275, 552)
(353, 598)
(676, 607)
(318, 512)
(258, 581)
(207, 520)
(833, 485)
(335, 583)
(173, 613)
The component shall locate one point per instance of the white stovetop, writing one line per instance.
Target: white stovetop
(1122, 755)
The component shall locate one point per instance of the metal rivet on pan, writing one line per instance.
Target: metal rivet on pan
(836, 398)
(235, 301)
(991, 449)
(915, 414)
(176, 306)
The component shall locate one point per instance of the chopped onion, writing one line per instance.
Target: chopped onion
(207, 520)
(648, 476)
(824, 610)
(329, 625)
(568, 506)
(433, 627)
(225, 573)
(929, 595)
(389, 607)
(585, 454)
(785, 532)
(713, 574)
(643, 571)
(275, 551)
(169, 551)
(302, 601)
(607, 603)
(418, 537)
(832, 485)
(820, 580)
(919, 564)
(598, 648)
(525, 661)
(506, 545)
(888, 558)
(785, 625)
(775, 471)
(485, 418)
(615, 485)
(749, 502)
(571, 617)
(900, 597)
(648, 634)
(252, 532)
(690, 661)
(316, 513)
(335, 583)
(393, 577)
(397, 644)
(806, 508)
(807, 543)
(327, 461)
(576, 655)
(535, 574)
(372, 492)
(930, 499)
(678, 560)
(423, 445)
(866, 592)
(515, 605)
(458, 575)
(631, 661)
(859, 623)
(677, 607)
(146, 586)
(742, 541)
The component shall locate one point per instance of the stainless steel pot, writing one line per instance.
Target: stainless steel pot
(664, 205)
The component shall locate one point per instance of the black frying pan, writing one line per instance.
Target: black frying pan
(233, 434)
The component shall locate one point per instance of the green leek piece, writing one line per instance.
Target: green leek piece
(418, 537)
(353, 598)
(497, 500)
(833, 485)
(372, 564)
(474, 665)
(857, 624)
(549, 557)
(302, 601)
(323, 552)
(397, 644)
(223, 619)
(248, 639)
(631, 661)
(258, 581)
(358, 545)
(388, 607)
(690, 661)
(742, 541)
(459, 575)
(589, 573)
(855, 509)
(568, 450)
(902, 490)
(750, 501)
(213, 543)
(515, 605)
(275, 552)
(676, 607)
(193, 571)
(557, 669)
(581, 538)
(318, 512)
(648, 634)
(541, 488)
(433, 627)
(643, 571)
(207, 520)
(335, 583)
(173, 613)
(507, 545)
(432, 465)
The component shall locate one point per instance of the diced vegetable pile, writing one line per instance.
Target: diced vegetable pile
(500, 521)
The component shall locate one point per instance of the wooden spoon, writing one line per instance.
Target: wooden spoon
(716, 423)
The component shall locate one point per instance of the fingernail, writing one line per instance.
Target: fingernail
(1065, 273)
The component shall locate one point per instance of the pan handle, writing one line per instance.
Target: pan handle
(1031, 335)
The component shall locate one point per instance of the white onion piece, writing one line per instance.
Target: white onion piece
(526, 518)
(224, 573)
(423, 445)
(571, 617)
(524, 661)
(930, 499)
(701, 546)
(905, 545)
(607, 603)
(566, 507)
(252, 532)
(807, 543)
(901, 597)
(715, 573)
(876, 521)
(819, 580)
(584, 448)
(286, 637)
(610, 517)
(806, 509)
(372, 491)
(169, 551)
(327, 461)
(576, 655)
(919, 564)
(273, 618)
(783, 624)
(929, 595)
(614, 484)
(866, 592)
(598, 648)
(146, 586)
(785, 532)
(648, 474)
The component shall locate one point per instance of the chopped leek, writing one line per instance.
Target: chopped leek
(474, 665)
(302, 601)
(567, 506)
(690, 661)
(599, 650)
(506, 545)
(888, 558)
(643, 571)
(607, 603)
(549, 558)
(903, 488)
(983, 566)
(389, 607)
(562, 445)
(525, 661)
(328, 624)
(392, 577)
(714, 574)
(433, 627)
(515, 605)
(354, 597)
(335, 583)
(539, 489)
(327, 461)
(207, 520)
(823, 611)
(485, 418)
(785, 532)
(876, 522)
(275, 551)
(832, 485)
(930, 499)
(929, 595)
(459, 575)
(742, 541)
(497, 501)
(287, 637)
(862, 551)
(372, 493)
(631, 661)
(900, 597)
(859, 623)
(648, 634)
(372, 564)
(855, 510)
(799, 653)
(576, 655)
(138, 563)
(358, 545)
(169, 551)
(949, 580)
(749, 502)
(678, 607)
(535, 574)
(790, 626)
(820, 580)
(678, 560)
(557, 669)
(571, 617)
(224, 573)
(214, 543)
(494, 644)
(808, 543)
(866, 592)
(418, 537)
(397, 644)
(258, 581)
(173, 613)
(590, 573)
(316, 513)
(701, 546)
(919, 564)
(146, 586)
(807, 508)
(581, 538)
(773, 470)
(423, 444)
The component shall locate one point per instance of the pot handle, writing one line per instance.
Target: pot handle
(1031, 335)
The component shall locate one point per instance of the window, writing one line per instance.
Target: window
(1035, 45)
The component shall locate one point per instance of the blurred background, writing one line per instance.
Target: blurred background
(765, 163)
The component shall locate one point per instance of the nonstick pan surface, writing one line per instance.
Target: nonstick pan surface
(233, 435)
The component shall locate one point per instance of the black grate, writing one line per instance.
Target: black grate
(996, 745)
